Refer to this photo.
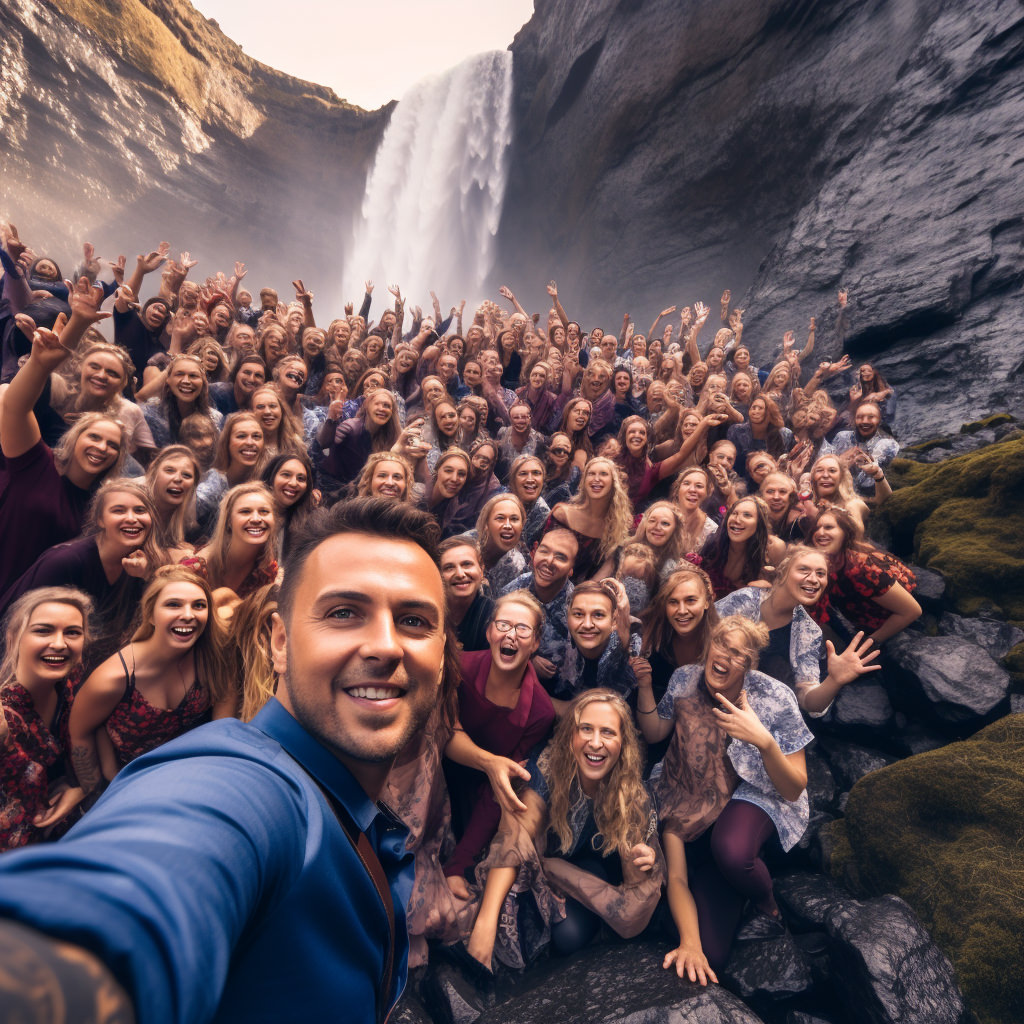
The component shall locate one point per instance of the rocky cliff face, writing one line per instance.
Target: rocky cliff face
(666, 150)
(124, 122)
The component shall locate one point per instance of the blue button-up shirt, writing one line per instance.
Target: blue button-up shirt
(215, 881)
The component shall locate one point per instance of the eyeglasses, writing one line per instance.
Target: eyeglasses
(560, 451)
(523, 631)
(738, 658)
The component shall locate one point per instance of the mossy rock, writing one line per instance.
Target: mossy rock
(943, 831)
(1013, 662)
(989, 421)
(964, 518)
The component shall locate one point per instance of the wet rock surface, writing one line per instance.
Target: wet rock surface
(886, 965)
(994, 637)
(953, 683)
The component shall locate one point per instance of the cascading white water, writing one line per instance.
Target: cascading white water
(433, 196)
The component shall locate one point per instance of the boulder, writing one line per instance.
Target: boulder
(887, 966)
(861, 708)
(850, 762)
(767, 970)
(916, 738)
(410, 1010)
(808, 900)
(620, 984)
(994, 637)
(953, 683)
(943, 831)
(931, 588)
(796, 1017)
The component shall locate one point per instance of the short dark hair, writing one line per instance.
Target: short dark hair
(375, 517)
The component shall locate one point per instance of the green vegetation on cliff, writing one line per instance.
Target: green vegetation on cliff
(943, 830)
(964, 517)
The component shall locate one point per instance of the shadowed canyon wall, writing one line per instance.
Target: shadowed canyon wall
(666, 150)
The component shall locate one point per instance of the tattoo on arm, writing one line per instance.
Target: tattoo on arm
(86, 765)
(43, 979)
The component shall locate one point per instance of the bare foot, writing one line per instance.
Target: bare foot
(458, 886)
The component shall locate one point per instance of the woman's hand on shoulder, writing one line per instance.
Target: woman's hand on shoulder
(691, 963)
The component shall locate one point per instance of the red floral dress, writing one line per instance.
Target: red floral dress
(32, 753)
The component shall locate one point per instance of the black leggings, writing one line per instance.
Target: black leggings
(581, 924)
(725, 869)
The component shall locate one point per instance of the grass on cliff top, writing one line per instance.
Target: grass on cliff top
(964, 517)
(944, 831)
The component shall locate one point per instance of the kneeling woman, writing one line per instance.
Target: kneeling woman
(160, 685)
(589, 832)
(735, 775)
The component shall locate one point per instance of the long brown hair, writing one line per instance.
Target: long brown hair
(17, 618)
(657, 633)
(621, 807)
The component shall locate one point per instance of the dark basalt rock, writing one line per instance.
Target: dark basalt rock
(410, 1010)
(994, 637)
(887, 966)
(955, 684)
(620, 984)
(795, 147)
(809, 900)
(931, 589)
(850, 762)
(767, 970)
(862, 707)
(796, 1017)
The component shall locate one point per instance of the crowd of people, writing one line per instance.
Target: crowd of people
(655, 554)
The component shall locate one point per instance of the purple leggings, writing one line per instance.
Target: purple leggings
(725, 869)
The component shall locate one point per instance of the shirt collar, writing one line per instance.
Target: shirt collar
(277, 723)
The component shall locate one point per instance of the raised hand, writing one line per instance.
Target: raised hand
(552, 289)
(15, 246)
(396, 291)
(84, 297)
(187, 263)
(854, 661)
(117, 266)
(240, 270)
(666, 312)
(301, 293)
(505, 292)
(813, 326)
(47, 349)
(702, 313)
(154, 259)
(92, 265)
(740, 722)
(788, 341)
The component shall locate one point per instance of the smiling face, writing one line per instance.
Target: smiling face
(125, 520)
(447, 419)
(686, 606)
(472, 374)
(741, 522)
(758, 412)
(246, 443)
(661, 524)
(505, 525)
(462, 572)
(155, 316)
(450, 478)
(362, 658)
(636, 440)
(867, 420)
(560, 451)
(591, 623)
(482, 460)
(778, 490)
(243, 338)
(724, 455)
(826, 475)
(742, 388)
(433, 390)
(292, 376)
(102, 376)
(379, 407)
(528, 481)
(827, 535)
(291, 482)
(97, 448)
(693, 489)
(313, 342)
(597, 481)
(174, 481)
(807, 578)
(741, 358)
(185, 381)
(251, 519)
(579, 417)
(519, 416)
(727, 663)
(596, 745)
(51, 646)
(553, 560)
(266, 406)
(509, 651)
(180, 614)
(388, 480)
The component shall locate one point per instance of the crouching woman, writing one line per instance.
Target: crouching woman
(734, 776)
(586, 847)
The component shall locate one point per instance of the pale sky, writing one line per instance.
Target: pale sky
(368, 52)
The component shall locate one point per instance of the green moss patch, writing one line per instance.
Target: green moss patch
(988, 421)
(944, 831)
(964, 517)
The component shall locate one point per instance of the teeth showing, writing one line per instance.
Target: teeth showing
(55, 659)
(183, 630)
(374, 692)
(594, 758)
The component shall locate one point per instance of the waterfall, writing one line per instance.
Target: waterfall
(433, 196)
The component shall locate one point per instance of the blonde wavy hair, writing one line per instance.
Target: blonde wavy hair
(844, 489)
(621, 807)
(250, 626)
(618, 520)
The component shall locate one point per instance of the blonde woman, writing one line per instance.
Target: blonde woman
(172, 478)
(589, 829)
(600, 516)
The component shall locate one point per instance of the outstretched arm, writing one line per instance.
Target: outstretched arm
(562, 315)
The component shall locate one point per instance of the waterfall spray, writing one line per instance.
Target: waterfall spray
(433, 196)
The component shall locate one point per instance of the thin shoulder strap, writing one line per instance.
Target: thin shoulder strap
(129, 677)
(366, 853)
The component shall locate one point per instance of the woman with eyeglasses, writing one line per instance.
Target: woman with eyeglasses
(794, 639)
(734, 776)
(506, 712)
